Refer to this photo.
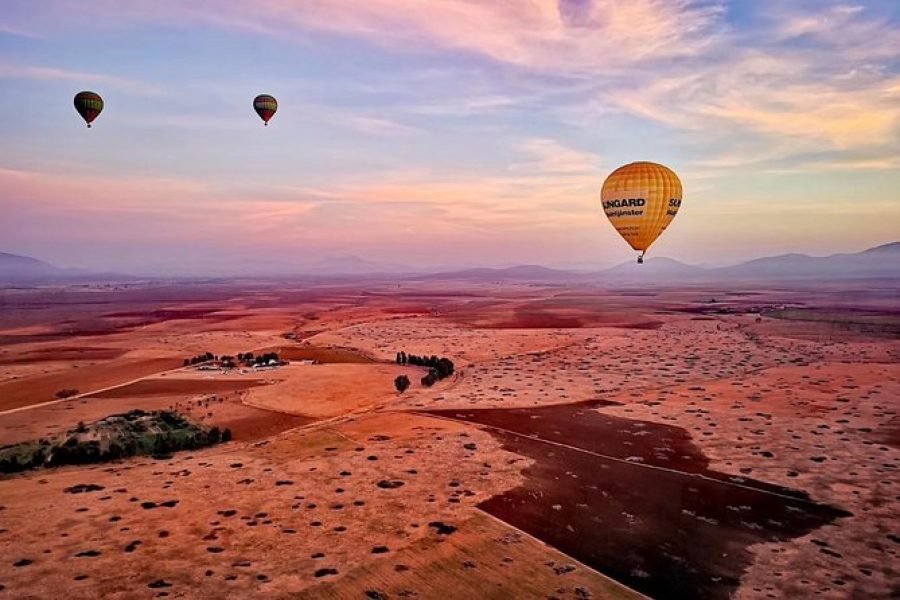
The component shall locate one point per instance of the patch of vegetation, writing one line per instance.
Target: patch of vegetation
(227, 361)
(882, 324)
(200, 358)
(134, 433)
(269, 358)
(66, 393)
(439, 368)
(401, 382)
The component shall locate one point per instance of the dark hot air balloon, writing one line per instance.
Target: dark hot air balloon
(88, 105)
(265, 106)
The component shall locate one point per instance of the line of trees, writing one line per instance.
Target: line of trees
(438, 367)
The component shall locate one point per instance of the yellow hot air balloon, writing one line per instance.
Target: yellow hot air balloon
(640, 200)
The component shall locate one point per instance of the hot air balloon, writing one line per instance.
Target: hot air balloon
(640, 200)
(265, 106)
(88, 105)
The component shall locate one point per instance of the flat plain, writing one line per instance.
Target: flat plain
(593, 442)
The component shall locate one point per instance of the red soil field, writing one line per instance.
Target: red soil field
(678, 512)
(253, 424)
(177, 387)
(324, 355)
(591, 441)
(61, 354)
(43, 387)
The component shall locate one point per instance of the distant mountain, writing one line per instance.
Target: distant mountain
(653, 268)
(878, 262)
(519, 273)
(350, 265)
(18, 270)
(892, 249)
(15, 268)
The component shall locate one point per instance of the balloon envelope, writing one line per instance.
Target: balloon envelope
(88, 105)
(640, 200)
(265, 106)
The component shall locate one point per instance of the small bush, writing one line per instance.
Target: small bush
(402, 383)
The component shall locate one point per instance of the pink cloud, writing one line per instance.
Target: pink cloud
(392, 213)
(530, 33)
(126, 84)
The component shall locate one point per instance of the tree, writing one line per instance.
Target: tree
(444, 367)
(402, 383)
(431, 378)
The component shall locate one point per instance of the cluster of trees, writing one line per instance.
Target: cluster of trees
(200, 358)
(133, 433)
(229, 362)
(438, 368)
(247, 358)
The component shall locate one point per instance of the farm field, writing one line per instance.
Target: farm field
(591, 442)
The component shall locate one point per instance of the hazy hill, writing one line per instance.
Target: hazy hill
(881, 261)
(889, 249)
(653, 268)
(350, 265)
(519, 273)
(15, 268)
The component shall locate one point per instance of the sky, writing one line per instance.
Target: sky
(442, 133)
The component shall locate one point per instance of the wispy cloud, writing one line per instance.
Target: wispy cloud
(18, 32)
(546, 156)
(542, 34)
(543, 184)
(838, 91)
(41, 73)
(473, 126)
(376, 126)
(678, 62)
